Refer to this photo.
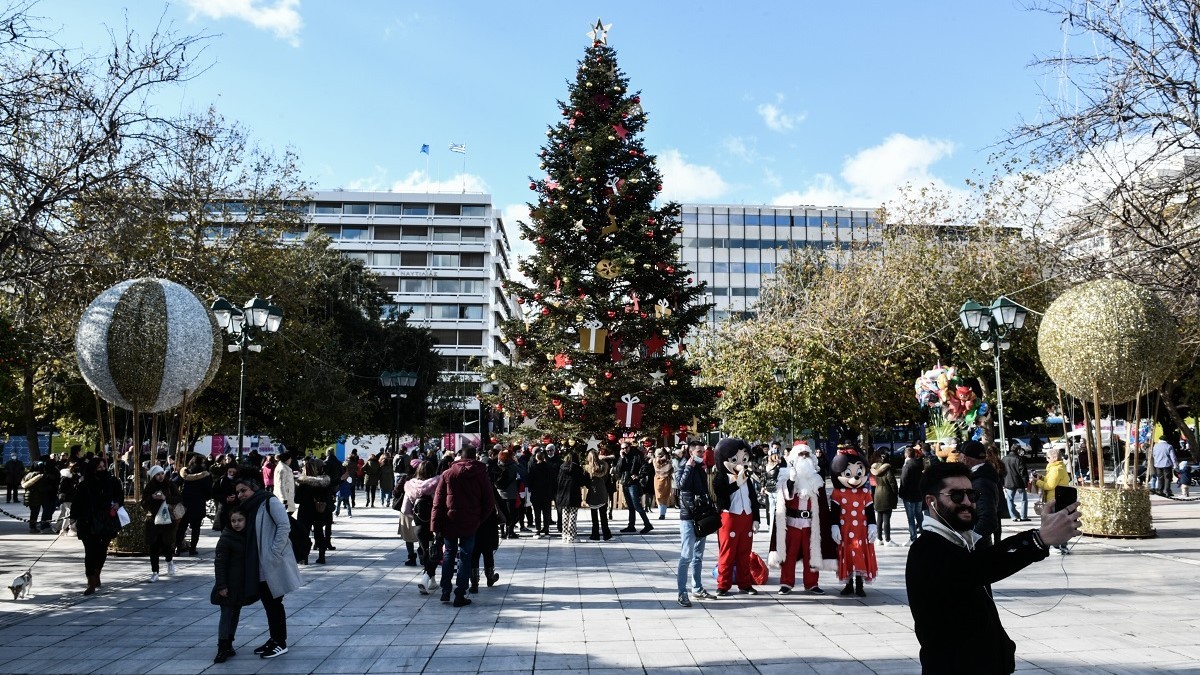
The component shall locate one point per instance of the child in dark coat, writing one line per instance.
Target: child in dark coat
(229, 591)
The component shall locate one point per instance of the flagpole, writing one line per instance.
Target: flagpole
(464, 172)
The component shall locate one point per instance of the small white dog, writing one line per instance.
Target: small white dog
(22, 586)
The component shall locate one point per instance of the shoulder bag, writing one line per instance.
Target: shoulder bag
(705, 518)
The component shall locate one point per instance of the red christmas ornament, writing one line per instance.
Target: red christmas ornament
(612, 438)
(578, 113)
(545, 311)
(633, 153)
(524, 413)
(689, 280)
(649, 234)
(532, 185)
(499, 407)
(608, 375)
(670, 269)
(541, 240)
(683, 427)
(637, 99)
(652, 221)
(520, 342)
(583, 401)
(611, 314)
(578, 179)
(642, 314)
(720, 393)
(537, 296)
(520, 301)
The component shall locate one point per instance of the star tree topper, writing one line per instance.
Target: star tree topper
(599, 32)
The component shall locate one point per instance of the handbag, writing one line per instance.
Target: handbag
(705, 519)
(122, 516)
(320, 505)
(178, 511)
(163, 516)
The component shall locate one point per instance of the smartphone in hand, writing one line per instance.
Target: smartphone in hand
(1064, 496)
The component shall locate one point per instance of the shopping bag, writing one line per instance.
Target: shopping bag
(122, 516)
(163, 516)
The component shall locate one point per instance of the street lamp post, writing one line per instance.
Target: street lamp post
(399, 382)
(258, 315)
(992, 325)
(781, 377)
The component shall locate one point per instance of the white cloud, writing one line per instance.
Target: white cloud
(875, 175)
(736, 146)
(686, 182)
(281, 18)
(776, 119)
(418, 181)
(521, 248)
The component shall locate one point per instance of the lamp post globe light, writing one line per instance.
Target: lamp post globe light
(992, 325)
(780, 378)
(258, 316)
(399, 382)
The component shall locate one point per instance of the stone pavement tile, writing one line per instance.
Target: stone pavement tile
(357, 652)
(679, 657)
(841, 668)
(894, 666)
(792, 668)
(615, 658)
(399, 665)
(546, 661)
(492, 664)
(181, 666)
(336, 665)
(453, 664)
(409, 651)
(450, 651)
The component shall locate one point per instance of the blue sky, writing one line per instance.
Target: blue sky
(752, 102)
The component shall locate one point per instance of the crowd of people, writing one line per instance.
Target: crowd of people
(824, 513)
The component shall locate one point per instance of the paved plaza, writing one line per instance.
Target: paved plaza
(1111, 607)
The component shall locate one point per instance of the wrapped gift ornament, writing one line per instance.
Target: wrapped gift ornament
(591, 337)
(145, 343)
(629, 412)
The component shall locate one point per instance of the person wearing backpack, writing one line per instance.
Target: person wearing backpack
(418, 500)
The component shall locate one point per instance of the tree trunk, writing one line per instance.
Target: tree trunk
(27, 411)
(988, 421)
(1168, 402)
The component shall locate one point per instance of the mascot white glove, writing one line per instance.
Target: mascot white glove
(741, 475)
(872, 532)
(837, 535)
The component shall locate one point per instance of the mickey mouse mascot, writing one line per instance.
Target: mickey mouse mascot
(854, 521)
(738, 504)
(801, 529)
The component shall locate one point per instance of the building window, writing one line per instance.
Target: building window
(413, 259)
(356, 255)
(391, 284)
(388, 209)
(387, 233)
(386, 260)
(443, 260)
(443, 311)
(410, 233)
(447, 286)
(356, 209)
(446, 209)
(354, 232)
(414, 286)
(473, 260)
(473, 233)
(415, 210)
(474, 210)
(328, 208)
(294, 235)
(445, 234)
(470, 338)
(474, 286)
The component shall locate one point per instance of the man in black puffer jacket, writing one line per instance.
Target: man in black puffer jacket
(693, 486)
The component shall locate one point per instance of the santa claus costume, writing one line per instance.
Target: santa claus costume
(854, 521)
(801, 530)
(739, 515)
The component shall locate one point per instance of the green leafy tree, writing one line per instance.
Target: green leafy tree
(604, 256)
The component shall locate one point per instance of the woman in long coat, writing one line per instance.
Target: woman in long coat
(97, 498)
(597, 495)
(571, 478)
(663, 472)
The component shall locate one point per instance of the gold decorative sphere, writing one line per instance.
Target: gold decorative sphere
(1110, 334)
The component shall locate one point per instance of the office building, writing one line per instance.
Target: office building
(735, 248)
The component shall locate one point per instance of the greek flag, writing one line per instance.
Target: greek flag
(459, 148)
(425, 148)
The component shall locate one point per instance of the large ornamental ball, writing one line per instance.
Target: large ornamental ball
(144, 342)
(1110, 334)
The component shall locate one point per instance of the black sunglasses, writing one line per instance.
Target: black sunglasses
(957, 495)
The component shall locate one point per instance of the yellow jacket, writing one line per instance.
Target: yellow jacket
(1056, 474)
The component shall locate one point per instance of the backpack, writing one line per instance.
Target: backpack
(423, 510)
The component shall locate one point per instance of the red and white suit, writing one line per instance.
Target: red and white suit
(854, 512)
(801, 526)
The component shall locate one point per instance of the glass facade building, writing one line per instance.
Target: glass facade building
(736, 247)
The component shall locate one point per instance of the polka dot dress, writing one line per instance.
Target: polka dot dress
(856, 554)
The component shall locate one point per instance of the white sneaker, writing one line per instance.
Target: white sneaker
(893, 543)
(422, 586)
(1054, 550)
(153, 577)
(170, 569)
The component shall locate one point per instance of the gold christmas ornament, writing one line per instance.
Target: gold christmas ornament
(524, 387)
(1109, 334)
(607, 269)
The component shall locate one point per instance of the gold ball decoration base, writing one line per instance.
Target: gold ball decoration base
(1111, 512)
(131, 540)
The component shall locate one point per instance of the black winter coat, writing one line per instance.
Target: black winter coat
(1017, 475)
(196, 491)
(944, 580)
(987, 482)
(724, 488)
(910, 479)
(570, 480)
(230, 569)
(693, 482)
(543, 483)
(94, 498)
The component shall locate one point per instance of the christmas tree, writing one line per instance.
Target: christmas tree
(601, 346)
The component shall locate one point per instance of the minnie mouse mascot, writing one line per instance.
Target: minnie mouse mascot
(853, 514)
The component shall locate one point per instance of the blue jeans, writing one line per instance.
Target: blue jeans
(915, 517)
(691, 554)
(458, 549)
(633, 501)
(1009, 496)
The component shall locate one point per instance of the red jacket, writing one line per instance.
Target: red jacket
(463, 500)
